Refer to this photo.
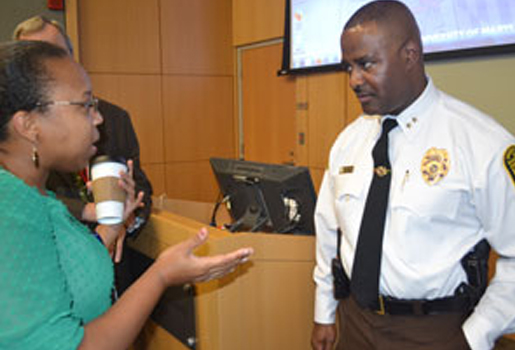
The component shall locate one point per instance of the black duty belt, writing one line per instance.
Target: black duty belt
(393, 306)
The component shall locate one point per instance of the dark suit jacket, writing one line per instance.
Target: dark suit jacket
(118, 139)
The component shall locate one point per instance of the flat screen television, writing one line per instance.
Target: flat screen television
(264, 197)
(449, 28)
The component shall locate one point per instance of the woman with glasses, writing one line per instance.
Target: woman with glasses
(56, 278)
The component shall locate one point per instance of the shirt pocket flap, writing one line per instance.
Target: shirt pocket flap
(349, 184)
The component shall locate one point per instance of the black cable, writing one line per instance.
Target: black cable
(220, 201)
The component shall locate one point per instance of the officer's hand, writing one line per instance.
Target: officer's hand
(323, 336)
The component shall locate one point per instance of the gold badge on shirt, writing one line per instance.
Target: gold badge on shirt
(509, 162)
(435, 165)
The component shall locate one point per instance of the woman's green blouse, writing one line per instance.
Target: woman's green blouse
(55, 276)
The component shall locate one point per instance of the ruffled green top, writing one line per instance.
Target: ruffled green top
(55, 276)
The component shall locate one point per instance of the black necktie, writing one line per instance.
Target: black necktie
(367, 260)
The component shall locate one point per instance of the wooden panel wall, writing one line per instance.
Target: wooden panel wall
(269, 134)
(197, 85)
(141, 95)
(170, 64)
(326, 113)
(197, 37)
(120, 36)
(199, 112)
(257, 20)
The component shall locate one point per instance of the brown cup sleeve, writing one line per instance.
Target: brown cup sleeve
(107, 189)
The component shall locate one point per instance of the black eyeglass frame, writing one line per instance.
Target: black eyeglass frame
(91, 103)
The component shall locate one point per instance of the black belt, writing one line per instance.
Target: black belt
(393, 306)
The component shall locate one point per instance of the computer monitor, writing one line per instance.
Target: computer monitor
(264, 197)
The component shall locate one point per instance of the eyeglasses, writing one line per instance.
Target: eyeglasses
(91, 103)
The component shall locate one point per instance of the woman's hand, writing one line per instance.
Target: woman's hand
(178, 264)
(132, 201)
(113, 236)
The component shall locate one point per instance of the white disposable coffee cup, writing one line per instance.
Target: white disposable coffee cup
(109, 196)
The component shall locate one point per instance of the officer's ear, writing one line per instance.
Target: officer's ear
(411, 53)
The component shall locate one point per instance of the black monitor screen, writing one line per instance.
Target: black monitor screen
(266, 197)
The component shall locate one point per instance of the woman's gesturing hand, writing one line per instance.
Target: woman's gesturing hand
(178, 264)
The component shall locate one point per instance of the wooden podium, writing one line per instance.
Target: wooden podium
(266, 303)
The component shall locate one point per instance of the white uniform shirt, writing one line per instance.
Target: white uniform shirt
(429, 226)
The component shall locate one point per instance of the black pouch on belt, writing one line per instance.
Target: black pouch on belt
(341, 281)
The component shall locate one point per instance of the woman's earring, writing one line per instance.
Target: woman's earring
(35, 156)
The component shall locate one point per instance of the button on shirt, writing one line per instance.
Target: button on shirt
(440, 207)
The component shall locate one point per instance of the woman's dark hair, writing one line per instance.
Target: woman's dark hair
(24, 78)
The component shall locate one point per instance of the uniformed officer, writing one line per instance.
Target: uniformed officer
(451, 192)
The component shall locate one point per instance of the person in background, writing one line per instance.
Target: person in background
(415, 192)
(56, 278)
(117, 138)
